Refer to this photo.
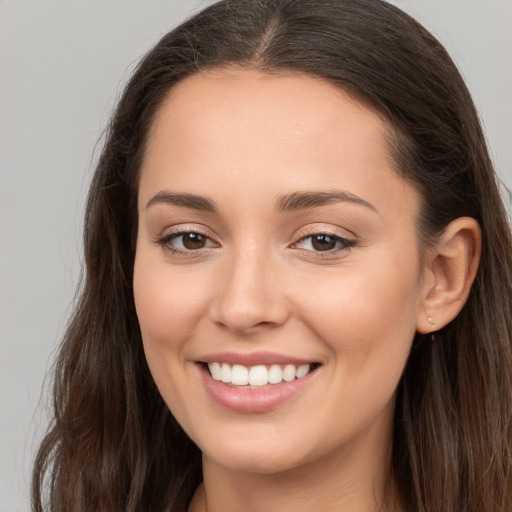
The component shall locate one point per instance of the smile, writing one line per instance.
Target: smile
(253, 377)
(255, 383)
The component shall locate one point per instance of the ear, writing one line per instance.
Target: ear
(449, 273)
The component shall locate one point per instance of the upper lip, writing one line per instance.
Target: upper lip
(253, 359)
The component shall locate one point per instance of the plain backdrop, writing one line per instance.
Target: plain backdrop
(62, 64)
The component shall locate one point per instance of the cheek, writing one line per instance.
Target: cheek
(167, 303)
(367, 318)
(168, 309)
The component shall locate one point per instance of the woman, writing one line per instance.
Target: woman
(298, 278)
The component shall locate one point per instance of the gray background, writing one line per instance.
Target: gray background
(61, 67)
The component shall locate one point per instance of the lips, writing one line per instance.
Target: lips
(253, 383)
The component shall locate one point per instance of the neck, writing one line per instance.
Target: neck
(354, 480)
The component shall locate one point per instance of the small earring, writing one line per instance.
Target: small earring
(430, 321)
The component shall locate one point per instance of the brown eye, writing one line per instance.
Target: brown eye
(323, 242)
(186, 242)
(193, 241)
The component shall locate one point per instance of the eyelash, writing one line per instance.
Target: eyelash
(342, 243)
(166, 242)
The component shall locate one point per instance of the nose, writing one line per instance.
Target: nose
(250, 296)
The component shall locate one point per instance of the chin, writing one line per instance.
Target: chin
(263, 450)
(251, 461)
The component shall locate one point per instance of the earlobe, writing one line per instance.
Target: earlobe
(451, 270)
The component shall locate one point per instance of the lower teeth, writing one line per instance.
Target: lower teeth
(248, 386)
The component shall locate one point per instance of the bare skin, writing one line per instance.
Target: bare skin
(246, 268)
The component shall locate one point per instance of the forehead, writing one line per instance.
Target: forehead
(245, 131)
(224, 103)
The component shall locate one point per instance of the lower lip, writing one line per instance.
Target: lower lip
(245, 400)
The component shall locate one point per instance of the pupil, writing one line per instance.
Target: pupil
(323, 242)
(194, 241)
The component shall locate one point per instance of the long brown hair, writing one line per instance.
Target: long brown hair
(114, 446)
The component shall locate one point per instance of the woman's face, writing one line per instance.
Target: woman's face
(275, 238)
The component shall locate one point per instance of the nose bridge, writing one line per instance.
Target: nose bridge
(250, 293)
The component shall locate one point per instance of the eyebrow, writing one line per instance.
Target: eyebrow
(286, 203)
(193, 201)
(306, 200)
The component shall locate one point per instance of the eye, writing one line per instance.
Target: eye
(324, 242)
(191, 241)
(186, 241)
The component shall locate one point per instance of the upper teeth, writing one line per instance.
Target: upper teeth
(257, 376)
